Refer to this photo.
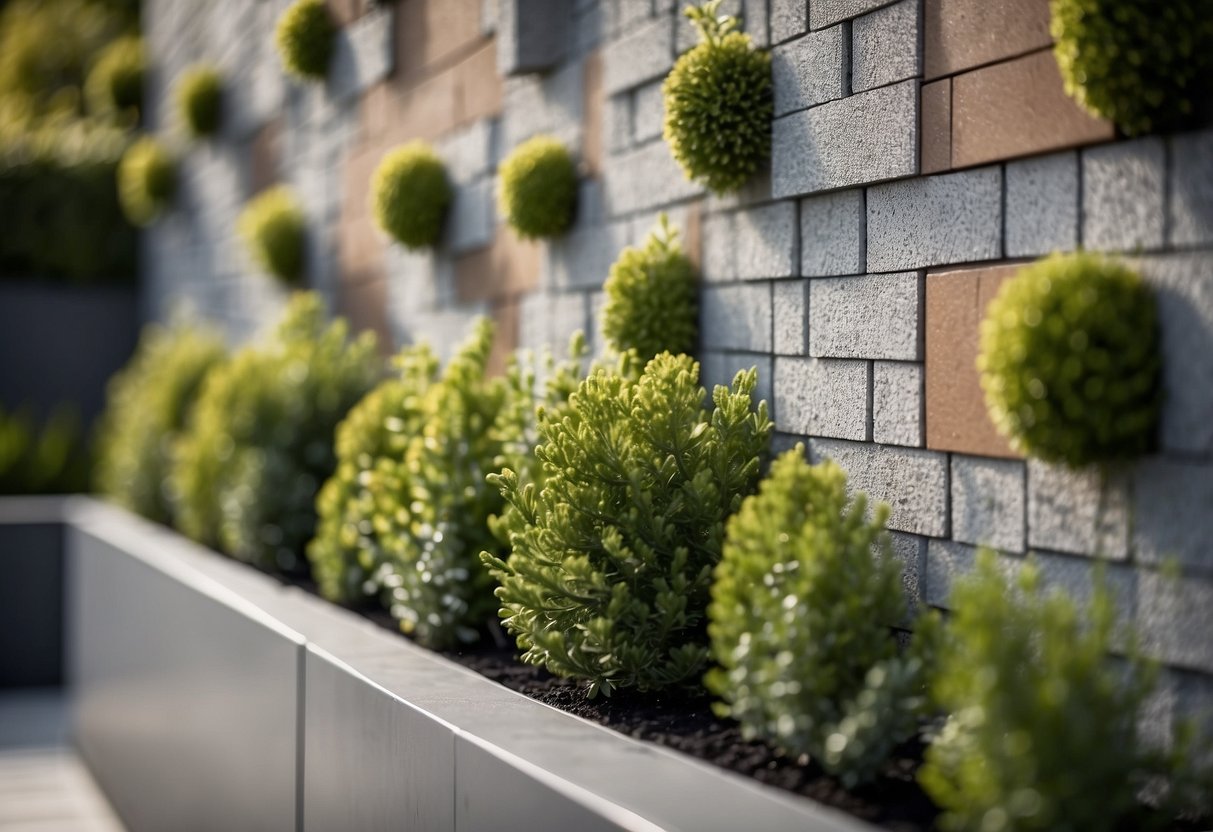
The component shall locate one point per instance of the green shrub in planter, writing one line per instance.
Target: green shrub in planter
(304, 36)
(147, 180)
(410, 195)
(1069, 361)
(50, 458)
(274, 229)
(650, 297)
(115, 83)
(719, 104)
(260, 440)
(200, 100)
(1145, 66)
(613, 547)
(146, 409)
(538, 189)
(799, 621)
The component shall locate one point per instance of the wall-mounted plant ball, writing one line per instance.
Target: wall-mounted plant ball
(115, 83)
(200, 100)
(410, 194)
(147, 180)
(1145, 66)
(719, 104)
(274, 229)
(304, 36)
(538, 190)
(650, 297)
(1069, 361)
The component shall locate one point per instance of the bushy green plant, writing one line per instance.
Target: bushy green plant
(799, 621)
(304, 36)
(1069, 360)
(146, 409)
(260, 439)
(115, 83)
(719, 104)
(50, 458)
(410, 194)
(274, 229)
(200, 100)
(614, 543)
(1144, 65)
(538, 189)
(147, 179)
(650, 297)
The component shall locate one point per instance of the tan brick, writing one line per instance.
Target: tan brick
(356, 181)
(505, 341)
(265, 156)
(936, 134)
(505, 268)
(962, 34)
(364, 304)
(345, 12)
(432, 34)
(478, 85)
(592, 106)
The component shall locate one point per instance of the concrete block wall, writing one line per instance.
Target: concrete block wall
(921, 151)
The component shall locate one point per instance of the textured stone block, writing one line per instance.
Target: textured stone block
(1173, 512)
(470, 221)
(1191, 191)
(856, 140)
(1042, 205)
(617, 123)
(1122, 195)
(471, 152)
(531, 35)
(810, 70)
(937, 126)
(549, 320)
(954, 218)
(765, 240)
(911, 551)
(362, 54)
(877, 316)
(815, 397)
(643, 55)
(719, 253)
(790, 303)
(897, 403)
(1175, 618)
(789, 18)
(828, 12)
(583, 258)
(946, 561)
(754, 13)
(550, 103)
(832, 234)
(648, 111)
(1080, 512)
(959, 34)
(646, 177)
(736, 317)
(885, 46)
(988, 502)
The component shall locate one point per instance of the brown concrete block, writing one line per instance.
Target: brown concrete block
(345, 12)
(592, 106)
(505, 341)
(936, 133)
(692, 234)
(962, 34)
(1017, 108)
(356, 181)
(364, 305)
(505, 268)
(265, 156)
(433, 34)
(956, 414)
(479, 87)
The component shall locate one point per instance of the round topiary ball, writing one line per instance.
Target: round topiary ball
(115, 83)
(410, 194)
(1069, 361)
(538, 190)
(147, 179)
(719, 105)
(305, 39)
(273, 227)
(1144, 65)
(200, 99)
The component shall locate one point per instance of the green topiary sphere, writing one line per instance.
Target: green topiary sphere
(305, 39)
(410, 194)
(147, 179)
(200, 100)
(719, 104)
(1145, 65)
(274, 228)
(115, 83)
(650, 297)
(1069, 361)
(538, 190)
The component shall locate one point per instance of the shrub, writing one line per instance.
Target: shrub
(718, 104)
(260, 440)
(650, 297)
(304, 36)
(147, 179)
(146, 409)
(200, 100)
(799, 621)
(613, 547)
(47, 459)
(1069, 361)
(115, 83)
(411, 194)
(1145, 66)
(274, 229)
(538, 190)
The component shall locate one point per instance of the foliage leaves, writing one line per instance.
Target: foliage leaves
(304, 36)
(538, 188)
(274, 229)
(147, 180)
(200, 100)
(114, 85)
(410, 195)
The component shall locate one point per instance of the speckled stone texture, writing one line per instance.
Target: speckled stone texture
(876, 316)
(822, 397)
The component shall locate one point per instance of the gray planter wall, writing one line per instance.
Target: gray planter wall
(31, 593)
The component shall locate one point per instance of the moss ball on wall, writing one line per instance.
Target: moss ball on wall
(410, 194)
(147, 179)
(273, 227)
(200, 100)
(538, 190)
(115, 83)
(304, 36)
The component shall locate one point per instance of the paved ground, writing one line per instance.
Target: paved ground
(43, 785)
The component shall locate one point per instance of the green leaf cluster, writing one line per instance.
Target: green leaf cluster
(274, 229)
(304, 36)
(538, 189)
(1144, 65)
(613, 545)
(1069, 361)
(651, 297)
(115, 83)
(719, 104)
(799, 621)
(50, 458)
(147, 180)
(260, 439)
(200, 100)
(146, 409)
(410, 195)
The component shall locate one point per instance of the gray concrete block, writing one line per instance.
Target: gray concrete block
(911, 551)
(720, 368)
(856, 140)
(549, 103)
(828, 12)
(471, 218)
(646, 177)
(810, 70)
(643, 55)
(532, 35)
(1042, 205)
(765, 240)
(1175, 618)
(1080, 512)
(897, 403)
(625, 15)
(469, 152)
(1122, 195)
(1173, 512)
(946, 561)
(736, 317)
(1191, 190)
(583, 258)
(791, 317)
(886, 46)
(876, 316)
(822, 397)
(755, 14)
(988, 502)
(617, 123)
(832, 234)
(936, 220)
(362, 54)
(719, 253)
(648, 112)
(789, 18)
(913, 482)
(547, 320)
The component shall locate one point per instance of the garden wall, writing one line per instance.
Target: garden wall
(920, 150)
